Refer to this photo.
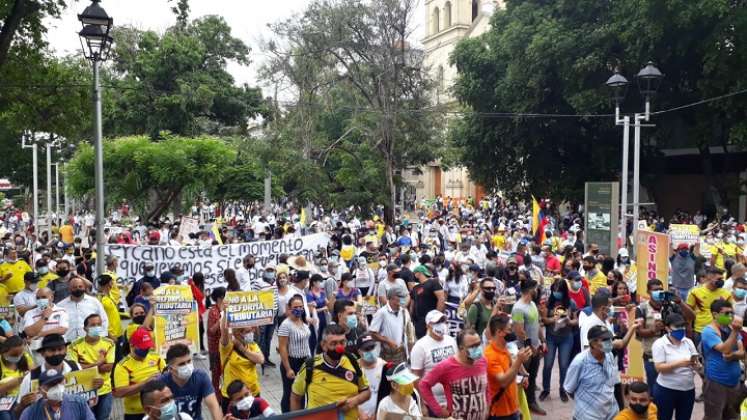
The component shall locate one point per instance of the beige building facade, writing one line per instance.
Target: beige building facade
(446, 23)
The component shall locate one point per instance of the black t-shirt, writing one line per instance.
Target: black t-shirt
(425, 300)
(407, 275)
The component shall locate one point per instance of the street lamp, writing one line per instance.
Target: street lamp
(28, 141)
(649, 78)
(96, 43)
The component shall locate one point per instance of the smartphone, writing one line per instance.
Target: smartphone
(528, 342)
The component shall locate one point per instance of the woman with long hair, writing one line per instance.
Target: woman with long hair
(293, 346)
(232, 282)
(559, 318)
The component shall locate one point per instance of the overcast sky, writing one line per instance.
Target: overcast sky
(247, 18)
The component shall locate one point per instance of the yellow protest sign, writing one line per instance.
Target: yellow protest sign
(78, 382)
(6, 309)
(369, 305)
(684, 234)
(250, 309)
(652, 259)
(176, 319)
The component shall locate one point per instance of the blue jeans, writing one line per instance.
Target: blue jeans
(672, 402)
(103, 409)
(7, 415)
(651, 374)
(562, 346)
(682, 292)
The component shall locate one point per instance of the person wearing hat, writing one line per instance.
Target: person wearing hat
(54, 357)
(682, 261)
(45, 275)
(389, 327)
(95, 350)
(54, 402)
(25, 300)
(676, 360)
(374, 369)
(400, 400)
(432, 349)
(701, 297)
(592, 377)
(425, 296)
(134, 371)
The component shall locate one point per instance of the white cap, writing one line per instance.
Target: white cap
(434, 317)
(623, 252)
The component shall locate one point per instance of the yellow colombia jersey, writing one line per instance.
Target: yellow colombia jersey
(130, 372)
(238, 367)
(45, 279)
(7, 373)
(700, 299)
(327, 388)
(83, 352)
(17, 270)
(112, 313)
(597, 282)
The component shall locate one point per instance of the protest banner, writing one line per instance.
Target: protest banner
(213, 260)
(249, 309)
(652, 259)
(175, 319)
(632, 356)
(188, 225)
(370, 305)
(327, 412)
(6, 308)
(78, 382)
(453, 320)
(684, 234)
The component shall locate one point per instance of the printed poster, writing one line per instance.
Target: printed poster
(250, 309)
(453, 320)
(188, 225)
(684, 234)
(652, 259)
(6, 308)
(370, 305)
(79, 382)
(176, 319)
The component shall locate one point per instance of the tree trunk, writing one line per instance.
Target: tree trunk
(19, 10)
(390, 210)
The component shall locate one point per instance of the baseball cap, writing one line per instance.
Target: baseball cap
(599, 332)
(422, 270)
(401, 374)
(434, 317)
(52, 341)
(141, 339)
(682, 247)
(154, 236)
(366, 342)
(51, 377)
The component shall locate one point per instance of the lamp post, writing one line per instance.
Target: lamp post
(28, 141)
(648, 78)
(96, 43)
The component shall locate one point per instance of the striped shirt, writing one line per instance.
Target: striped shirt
(298, 338)
(593, 384)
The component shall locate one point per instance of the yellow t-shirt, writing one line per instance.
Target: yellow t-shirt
(17, 270)
(114, 293)
(327, 388)
(45, 279)
(730, 250)
(112, 313)
(700, 299)
(82, 351)
(237, 367)
(499, 242)
(10, 374)
(347, 252)
(718, 256)
(66, 234)
(597, 282)
(131, 327)
(130, 372)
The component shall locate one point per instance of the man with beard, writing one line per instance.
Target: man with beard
(510, 274)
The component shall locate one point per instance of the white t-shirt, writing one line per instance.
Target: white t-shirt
(388, 406)
(427, 353)
(57, 319)
(664, 351)
(373, 375)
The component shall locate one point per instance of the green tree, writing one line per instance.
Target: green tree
(21, 23)
(554, 57)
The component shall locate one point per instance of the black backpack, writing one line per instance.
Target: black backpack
(309, 365)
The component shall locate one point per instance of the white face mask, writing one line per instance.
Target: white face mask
(245, 404)
(56, 392)
(440, 329)
(185, 371)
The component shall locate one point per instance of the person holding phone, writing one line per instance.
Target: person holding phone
(676, 361)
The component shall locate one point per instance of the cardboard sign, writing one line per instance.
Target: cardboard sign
(79, 382)
(652, 253)
(176, 319)
(684, 234)
(250, 309)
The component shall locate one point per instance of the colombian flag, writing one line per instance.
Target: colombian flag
(539, 221)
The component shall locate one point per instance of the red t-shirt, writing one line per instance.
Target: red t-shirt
(579, 297)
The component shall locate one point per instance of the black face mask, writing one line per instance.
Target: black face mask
(138, 319)
(719, 283)
(488, 295)
(63, 273)
(639, 409)
(77, 292)
(510, 337)
(54, 360)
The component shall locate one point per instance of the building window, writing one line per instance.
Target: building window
(435, 21)
(475, 9)
(447, 15)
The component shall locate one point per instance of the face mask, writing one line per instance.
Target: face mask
(557, 295)
(168, 411)
(185, 371)
(12, 359)
(406, 390)
(382, 264)
(63, 273)
(576, 285)
(54, 360)
(719, 283)
(639, 409)
(724, 319)
(150, 273)
(95, 332)
(403, 301)
(678, 334)
(474, 353)
(138, 319)
(43, 270)
(297, 312)
(624, 260)
(607, 346)
(510, 337)
(684, 253)
(740, 293)
(56, 392)
(245, 404)
(269, 275)
(351, 321)
(33, 287)
(42, 303)
(141, 353)
(440, 329)
(488, 295)
(349, 284)
(249, 338)
(336, 353)
(656, 295)
(77, 292)
(371, 356)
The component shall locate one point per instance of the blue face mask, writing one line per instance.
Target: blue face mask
(557, 295)
(740, 293)
(371, 356)
(607, 346)
(403, 301)
(474, 353)
(656, 295)
(678, 334)
(141, 353)
(297, 312)
(684, 253)
(352, 322)
(168, 411)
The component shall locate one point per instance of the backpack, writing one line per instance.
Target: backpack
(309, 364)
